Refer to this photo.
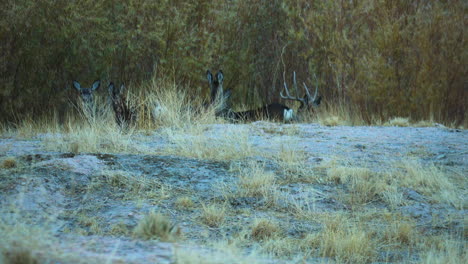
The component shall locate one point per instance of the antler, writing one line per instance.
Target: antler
(288, 96)
(302, 100)
(312, 99)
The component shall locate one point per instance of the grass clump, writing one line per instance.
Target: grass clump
(184, 202)
(213, 215)
(294, 166)
(332, 121)
(9, 163)
(446, 251)
(23, 243)
(432, 181)
(158, 227)
(400, 232)
(362, 185)
(165, 104)
(199, 142)
(134, 184)
(398, 121)
(255, 181)
(264, 229)
(19, 255)
(342, 241)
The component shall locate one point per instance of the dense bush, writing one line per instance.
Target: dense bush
(385, 58)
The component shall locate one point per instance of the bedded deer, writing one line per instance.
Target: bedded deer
(125, 115)
(220, 99)
(274, 111)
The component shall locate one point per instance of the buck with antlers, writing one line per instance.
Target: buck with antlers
(125, 115)
(273, 111)
(307, 101)
(220, 99)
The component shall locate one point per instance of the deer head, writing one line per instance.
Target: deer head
(219, 98)
(86, 94)
(307, 100)
(117, 95)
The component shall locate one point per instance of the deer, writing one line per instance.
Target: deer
(273, 111)
(307, 101)
(220, 98)
(124, 114)
(86, 95)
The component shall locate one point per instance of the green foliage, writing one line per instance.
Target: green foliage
(385, 58)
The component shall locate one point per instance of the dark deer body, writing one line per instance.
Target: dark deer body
(274, 111)
(124, 114)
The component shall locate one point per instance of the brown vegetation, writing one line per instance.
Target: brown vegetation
(378, 59)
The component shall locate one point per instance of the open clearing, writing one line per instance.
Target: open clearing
(237, 193)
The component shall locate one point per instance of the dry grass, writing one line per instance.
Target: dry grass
(29, 244)
(119, 229)
(398, 121)
(9, 163)
(198, 142)
(156, 226)
(164, 104)
(90, 225)
(184, 202)
(440, 185)
(342, 240)
(19, 255)
(29, 127)
(222, 252)
(283, 130)
(444, 250)
(295, 166)
(332, 121)
(339, 114)
(425, 123)
(263, 229)
(83, 137)
(213, 215)
(255, 181)
(132, 185)
(362, 185)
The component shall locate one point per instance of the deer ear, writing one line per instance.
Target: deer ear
(220, 76)
(77, 86)
(209, 76)
(122, 88)
(111, 88)
(96, 85)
